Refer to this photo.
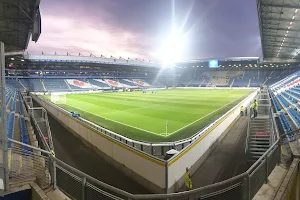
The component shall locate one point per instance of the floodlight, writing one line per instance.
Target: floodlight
(172, 48)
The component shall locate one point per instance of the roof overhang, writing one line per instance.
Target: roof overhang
(19, 20)
(279, 24)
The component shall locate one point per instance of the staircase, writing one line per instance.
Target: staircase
(260, 132)
(259, 138)
(232, 82)
(43, 84)
(249, 83)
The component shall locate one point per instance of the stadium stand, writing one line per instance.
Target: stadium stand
(55, 85)
(78, 84)
(99, 83)
(33, 84)
(127, 83)
(284, 95)
(15, 83)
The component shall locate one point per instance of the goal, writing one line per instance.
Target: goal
(58, 98)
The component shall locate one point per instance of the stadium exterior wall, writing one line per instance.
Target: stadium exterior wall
(193, 155)
(137, 164)
(133, 163)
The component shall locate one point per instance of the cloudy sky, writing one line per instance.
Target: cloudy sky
(140, 28)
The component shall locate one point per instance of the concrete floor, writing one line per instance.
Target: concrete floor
(228, 159)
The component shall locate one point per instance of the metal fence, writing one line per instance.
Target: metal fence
(30, 163)
(81, 186)
(27, 163)
(154, 149)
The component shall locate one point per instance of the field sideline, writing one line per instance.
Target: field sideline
(143, 116)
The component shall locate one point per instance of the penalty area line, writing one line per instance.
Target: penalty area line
(200, 118)
(120, 122)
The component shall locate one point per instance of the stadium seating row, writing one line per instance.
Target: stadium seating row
(57, 84)
(284, 94)
(13, 97)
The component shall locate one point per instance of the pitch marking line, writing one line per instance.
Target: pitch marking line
(120, 111)
(161, 134)
(199, 118)
(118, 122)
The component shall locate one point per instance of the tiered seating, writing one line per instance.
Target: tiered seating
(24, 133)
(77, 84)
(295, 116)
(10, 127)
(13, 104)
(20, 106)
(33, 84)
(128, 83)
(283, 102)
(15, 83)
(257, 82)
(240, 83)
(98, 83)
(284, 123)
(290, 98)
(55, 85)
(295, 94)
(275, 102)
(112, 83)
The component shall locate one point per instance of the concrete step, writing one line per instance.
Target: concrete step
(256, 153)
(258, 149)
(262, 142)
(259, 146)
(258, 139)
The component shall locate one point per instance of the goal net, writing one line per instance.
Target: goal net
(58, 98)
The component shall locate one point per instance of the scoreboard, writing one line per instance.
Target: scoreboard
(213, 63)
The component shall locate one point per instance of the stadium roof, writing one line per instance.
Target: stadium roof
(279, 23)
(19, 20)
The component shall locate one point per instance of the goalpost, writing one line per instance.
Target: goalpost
(58, 98)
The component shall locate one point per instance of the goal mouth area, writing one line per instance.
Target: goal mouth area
(59, 98)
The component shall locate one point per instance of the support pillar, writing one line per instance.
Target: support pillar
(3, 118)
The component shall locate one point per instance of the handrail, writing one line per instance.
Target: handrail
(248, 131)
(159, 144)
(292, 131)
(118, 191)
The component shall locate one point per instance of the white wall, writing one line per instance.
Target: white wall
(150, 168)
(191, 154)
(146, 166)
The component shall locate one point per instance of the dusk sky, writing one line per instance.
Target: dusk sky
(139, 28)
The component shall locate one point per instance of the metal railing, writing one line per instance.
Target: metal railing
(157, 149)
(30, 163)
(81, 186)
(43, 166)
(27, 163)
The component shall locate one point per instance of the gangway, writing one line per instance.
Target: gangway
(260, 133)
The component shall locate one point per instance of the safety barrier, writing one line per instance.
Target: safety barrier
(78, 185)
(47, 170)
(158, 149)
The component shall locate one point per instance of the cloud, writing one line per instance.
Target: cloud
(74, 35)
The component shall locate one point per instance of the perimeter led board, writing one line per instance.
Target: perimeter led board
(213, 64)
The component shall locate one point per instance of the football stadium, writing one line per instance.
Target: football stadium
(134, 114)
(83, 126)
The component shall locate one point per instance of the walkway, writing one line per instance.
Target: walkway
(227, 159)
(74, 152)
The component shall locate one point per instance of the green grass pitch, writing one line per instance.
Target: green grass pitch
(143, 116)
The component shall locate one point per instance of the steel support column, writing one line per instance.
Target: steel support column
(3, 116)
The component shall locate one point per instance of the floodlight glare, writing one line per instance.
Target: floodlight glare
(172, 48)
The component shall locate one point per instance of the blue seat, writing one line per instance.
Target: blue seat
(295, 116)
(284, 103)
